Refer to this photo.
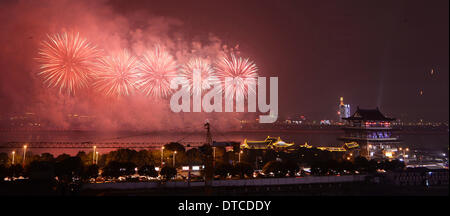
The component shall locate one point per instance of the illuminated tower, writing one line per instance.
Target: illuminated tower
(371, 130)
(344, 110)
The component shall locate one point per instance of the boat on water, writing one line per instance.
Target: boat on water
(268, 143)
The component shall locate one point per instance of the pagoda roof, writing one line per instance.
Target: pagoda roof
(369, 114)
(269, 142)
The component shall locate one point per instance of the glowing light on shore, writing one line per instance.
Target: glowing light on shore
(67, 62)
(156, 70)
(242, 70)
(118, 75)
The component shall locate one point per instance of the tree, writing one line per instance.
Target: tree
(168, 172)
(174, 146)
(68, 168)
(348, 166)
(180, 158)
(243, 169)
(319, 168)
(122, 155)
(332, 166)
(372, 166)
(116, 169)
(62, 157)
(85, 158)
(269, 155)
(47, 157)
(310, 155)
(207, 158)
(224, 170)
(90, 171)
(275, 167)
(4, 159)
(220, 154)
(148, 170)
(143, 157)
(112, 169)
(361, 164)
(15, 170)
(128, 168)
(205, 149)
(41, 170)
(28, 158)
(394, 165)
(292, 167)
(194, 156)
(3, 172)
(102, 158)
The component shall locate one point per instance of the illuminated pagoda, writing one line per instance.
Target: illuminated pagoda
(371, 130)
(268, 143)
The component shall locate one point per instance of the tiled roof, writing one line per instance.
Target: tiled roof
(369, 114)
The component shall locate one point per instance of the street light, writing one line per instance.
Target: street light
(96, 157)
(240, 155)
(24, 153)
(162, 156)
(214, 156)
(93, 154)
(174, 153)
(13, 154)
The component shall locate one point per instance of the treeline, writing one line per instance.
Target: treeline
(84, 166)
(236, 163)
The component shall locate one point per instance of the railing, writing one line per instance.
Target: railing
(393, 138)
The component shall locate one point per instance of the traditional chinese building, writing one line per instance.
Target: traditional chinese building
(372, 131)
(268, 143)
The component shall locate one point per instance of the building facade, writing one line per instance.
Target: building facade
(343, 111)
(372, 131)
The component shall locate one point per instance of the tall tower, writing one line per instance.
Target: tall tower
(371, 130)
(209, 160)
(343, 110)
(208, 134)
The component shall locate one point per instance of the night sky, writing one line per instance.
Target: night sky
(373, 53)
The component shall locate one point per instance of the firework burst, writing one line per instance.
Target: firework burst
(202, 68)
(156, 70)
(68, 62)
(118, 75)
(243, 72)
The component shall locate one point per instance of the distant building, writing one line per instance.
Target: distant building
(350, 150)
(344, 110)
(372, 131)
(268, 143)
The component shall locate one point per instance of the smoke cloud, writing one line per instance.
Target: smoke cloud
(26, 23)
